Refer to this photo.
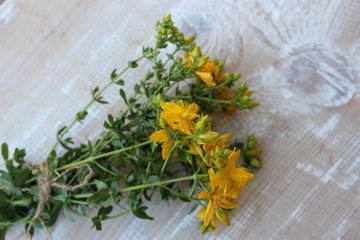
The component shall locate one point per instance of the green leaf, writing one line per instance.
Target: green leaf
(69, 215)
(54, 213)
(22, 177)
(120, 82)
(104, 211)
(81, 115)
(132, 64)
(114, 188)
(96, 223)
(196, 205)
(123, 95)
(5, 151)
(99, 196)
(4, 199)
(140, 213)
(152, 179)
(93, 92)
(172, 134)
(137, 88)
(100, 184)
(113, 75)
(3, 231)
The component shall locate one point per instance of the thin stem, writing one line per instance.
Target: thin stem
(119, 215)
(90, 159)
(90, 103)
(142, 186)
(128, 189)
(167, 159)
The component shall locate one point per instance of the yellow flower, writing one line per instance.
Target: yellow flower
(163, 136)
(232, 179)
(212, 224)
(219, 142)
(209, 73)
(180, 115)
(217, 200)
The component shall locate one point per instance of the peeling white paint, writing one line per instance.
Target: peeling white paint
(324, 130)
(344, 179)
(7, 11)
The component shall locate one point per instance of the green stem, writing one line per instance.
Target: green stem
(91, 102)
(201, 98)
(119, 215)
(142, 186)
(90, 159)
(167, 159)
(128, 189)
(21, 221)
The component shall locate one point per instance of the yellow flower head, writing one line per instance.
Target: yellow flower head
(163, 136)
(212, 223)
(232, 179)
(217, 200)
(219, 142)
(209, 73)
(180, 115)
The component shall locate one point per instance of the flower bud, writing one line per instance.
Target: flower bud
(253, 104)
(158, 99)
(167, 18)
(253, 152)
(196, 53)
(202, 123)
(209, 136)
(255, 162)
(222, 216)
(202, 61)
(190, 39)
(162, 122)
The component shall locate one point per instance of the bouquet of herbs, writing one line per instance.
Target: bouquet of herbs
(162, 145)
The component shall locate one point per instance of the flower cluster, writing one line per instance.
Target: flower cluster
(182, 127)
(211, 74)
(123, 167)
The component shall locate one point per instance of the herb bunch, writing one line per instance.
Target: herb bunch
(126, 167)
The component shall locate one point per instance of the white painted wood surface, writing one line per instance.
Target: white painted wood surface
(300, 57)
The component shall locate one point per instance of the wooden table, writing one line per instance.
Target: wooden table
(300, 57)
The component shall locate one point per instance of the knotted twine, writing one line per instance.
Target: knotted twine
(45, 185)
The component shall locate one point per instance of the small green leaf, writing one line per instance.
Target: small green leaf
(113, 75)
(114, 188)
(137, 88)
(93, 92)
(132, 64)
(140, 213)
(22, 177)
(172, 134)
(152, 179)
(100, 184)
(196, 205)
(123, 95)
(120, 82)
(3, 231)
(104, 211)
(69, 215)
(96, 223)
(99, 196)
(5, 151)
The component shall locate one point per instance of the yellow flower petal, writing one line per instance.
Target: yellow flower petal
(204, 195)
(160, 136)
(207, 78)
(167, 148)
(209, 213)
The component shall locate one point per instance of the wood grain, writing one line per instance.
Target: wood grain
(300, 57)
